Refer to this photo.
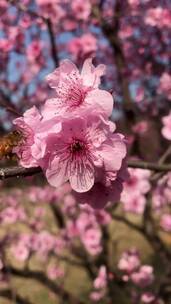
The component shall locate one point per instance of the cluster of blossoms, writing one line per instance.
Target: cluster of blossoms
(166, 130)
(141, 276)
(82, 231)
(165, 85)
(100, 285)
(161, 199)
(82, 223)
(56, 9)
(71, 138)
(161, 196)
(81, 47)
(87, 226)
(158, 16)
(133, 195)
(131, 272)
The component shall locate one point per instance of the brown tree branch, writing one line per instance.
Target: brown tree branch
(19, 171)
(54, 50)
(39, 276)
(150, 166)
(156, 176)
(8, 294)
(165, 155)
(127, 222)
(148, 231)
(59, 218)
(6, 103)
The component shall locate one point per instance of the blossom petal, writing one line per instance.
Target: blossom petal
(113, 156)
(38, 149)
(90, 74)
(166, 132)
(66, 67)
(57, 172)
(32, 117)
(49, 127)
(81, 176)
(102, 98)
(52, 107)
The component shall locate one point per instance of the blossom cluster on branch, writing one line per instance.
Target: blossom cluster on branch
(71, 138)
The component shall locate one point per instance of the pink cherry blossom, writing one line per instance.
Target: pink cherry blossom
(83, 146)
(102, 216)
(101, 280)
(158, 16)
(144, 276)
(20, 251)
(126, 32)
(165, 85)
(27, 125)
(83, 46)
(32, 130)
(89, 231)
(129, 261)
(134, 189)
(69, 206)
(134, 2)
(75, 90)
(166, 130)
(5, 45)
(161, 196)
(165, 222)
(139, 94)
(88, 43)
(92, 240)
(11, 215)
(104, 191)
(81, 9)
(135, 204)
(34, 50)
(42, 243)
(55, 272)
(147, 297)
(138, 181)
(96, 296)
(50, 8)
(140, 127)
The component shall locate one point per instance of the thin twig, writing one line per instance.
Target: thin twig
(54, 50)
(156, 176)
(165, 155)
(124, 220)
(6, 103)
(150, 166)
